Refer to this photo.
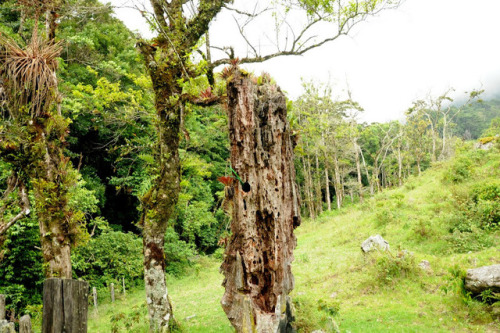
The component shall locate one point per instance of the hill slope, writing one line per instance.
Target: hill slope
(436, 217)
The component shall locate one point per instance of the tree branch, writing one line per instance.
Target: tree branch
(346, 17)
(198, 26)
(25, 209)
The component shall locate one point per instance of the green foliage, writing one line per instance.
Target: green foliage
(384, 216)
(199, 219)
(315, 311)
(493, 130)
(390, 268)
(109, 257)
(478, 120)
(122, 321)
(485, 204)
(178, 253)
(456, 283)
(21, 273)
(461, 170)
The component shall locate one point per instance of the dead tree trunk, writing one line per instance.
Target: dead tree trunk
(65, 305)
(266, 206)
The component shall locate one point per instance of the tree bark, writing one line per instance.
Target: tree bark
(159, 202)
(308, 190)
(311, 188)
(443, 147)
(319, 199)
(337, 182)
(52, 177)
(327, 189)
(400, 167)
(358, 170)
(257, 266)
(370, 182)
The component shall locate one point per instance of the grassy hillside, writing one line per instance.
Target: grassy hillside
(443, 217)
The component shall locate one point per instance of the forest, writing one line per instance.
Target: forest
(131, 165)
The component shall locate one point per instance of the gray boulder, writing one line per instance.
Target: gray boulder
(375, 243)
(483, 278)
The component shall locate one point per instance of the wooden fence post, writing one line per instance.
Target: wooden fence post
(123, 283)
(65, 305)
(94, 293)
(2, 307)
(112, 292)
(25, 324)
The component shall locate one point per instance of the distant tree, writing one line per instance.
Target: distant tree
(494, 128)
(416, 133)
(440, 113)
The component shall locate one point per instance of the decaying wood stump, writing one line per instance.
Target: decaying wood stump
(65, 306)
(257, 265)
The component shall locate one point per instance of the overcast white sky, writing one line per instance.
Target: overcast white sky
(425, 46)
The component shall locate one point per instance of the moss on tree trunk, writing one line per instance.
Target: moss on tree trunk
(159, 202)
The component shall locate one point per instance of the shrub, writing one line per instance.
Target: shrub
(21, 270)
(485, 205)
(390, 268)
(475, 240)
(423, 229)
(460, 170)
(177, 253)
(109, 257)
(384, 216)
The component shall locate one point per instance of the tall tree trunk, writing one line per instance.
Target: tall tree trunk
(257, 264)
(327, 188)
(51, 179)
(370, 182)
(307, 190)
(400, 167)
(312, 189)
(336, 184)
(319, 199)
(159, 202)
(376, 175)
(434, 139)
(442, 155)
(358, 171)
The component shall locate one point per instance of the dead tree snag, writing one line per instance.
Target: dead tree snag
(266, 209)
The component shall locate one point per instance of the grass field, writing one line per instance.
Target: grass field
(338, 287)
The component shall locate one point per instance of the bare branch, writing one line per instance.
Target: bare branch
(346, 18)
(254, 14)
